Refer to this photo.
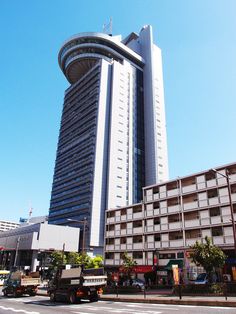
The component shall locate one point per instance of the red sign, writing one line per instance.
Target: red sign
(142, 269)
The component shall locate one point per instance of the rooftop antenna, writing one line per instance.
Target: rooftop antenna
(107, 28)
(30, 211)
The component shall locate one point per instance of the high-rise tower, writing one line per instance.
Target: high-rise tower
(112, 138)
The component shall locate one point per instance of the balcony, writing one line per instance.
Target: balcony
(164, 244)
(110, 233)
(138, 215)
(117, 232)
(150, 245)
(192, 223)
(123, 217)
(205, 221)
(175, 225)
(213, 201)
(173, 192)
(110, 247)
(218, 240)
(123, 231)
(192, 241)
(157, 244)
(117, 218)
(164, 226)
(157, 227)
(138, 245)
(176, 243)
(139, 261)
(109, 261)
(191, 205)
(174, 209)
(229, 239)
(137, 230)
(156, 196)
(189, 188)
(111, 219)
(215, 220)
(211, 183)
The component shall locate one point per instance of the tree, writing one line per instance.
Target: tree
(58, 258)
(128, 264)
(73, 258)
(96, 262)
(208, 256)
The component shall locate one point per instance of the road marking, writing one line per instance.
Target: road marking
(220, 307)
(15, 310)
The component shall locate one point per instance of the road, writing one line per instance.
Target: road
(42, 305)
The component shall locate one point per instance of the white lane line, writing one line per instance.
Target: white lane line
(220, 308)
(81, 312)
(160, 306)
(15, 310)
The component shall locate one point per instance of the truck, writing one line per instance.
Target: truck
(19, 283)
(73, 284)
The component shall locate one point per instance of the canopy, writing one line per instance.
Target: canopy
(171, 262)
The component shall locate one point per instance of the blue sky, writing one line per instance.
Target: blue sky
(198, 42)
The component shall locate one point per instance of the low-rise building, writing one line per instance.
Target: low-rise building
(172, 217)
(21, 247)
(8, 225)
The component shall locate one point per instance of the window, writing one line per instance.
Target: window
(157, 237)
(217, 231)
(180, 254)
(167, 256)
(137, 255)
(214, 211)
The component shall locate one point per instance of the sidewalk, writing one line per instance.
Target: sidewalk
(161, 298)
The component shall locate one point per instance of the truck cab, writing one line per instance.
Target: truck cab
(74, 284)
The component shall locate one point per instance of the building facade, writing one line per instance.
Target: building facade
(8, 225)
(172, 217)
(112, 139)
(21, 247)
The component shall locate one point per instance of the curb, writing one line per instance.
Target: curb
(172, 301)
(166, 301)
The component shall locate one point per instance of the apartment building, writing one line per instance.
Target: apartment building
(8, 225)
(173, 216)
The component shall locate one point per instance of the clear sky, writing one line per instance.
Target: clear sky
(198, 42)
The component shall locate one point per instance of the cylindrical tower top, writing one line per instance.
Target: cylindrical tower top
(82, 51)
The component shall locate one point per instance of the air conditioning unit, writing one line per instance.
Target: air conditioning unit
(227, 277)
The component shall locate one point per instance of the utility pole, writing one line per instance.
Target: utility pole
(17, 248)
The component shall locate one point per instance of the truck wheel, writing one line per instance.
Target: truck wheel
(93, 298)
(5, 293)
(32, 294)
(52, 297)
(15, 294)
(72, 298)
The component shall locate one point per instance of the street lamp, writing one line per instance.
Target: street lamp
(85, 223)
(230, 203)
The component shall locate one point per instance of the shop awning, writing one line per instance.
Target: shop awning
(171, 262)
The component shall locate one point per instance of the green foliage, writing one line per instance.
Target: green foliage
(208, 256)
(58, 258)
(128, 264)
(74, 258)
(95, 262)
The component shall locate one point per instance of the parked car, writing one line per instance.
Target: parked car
(202, 279)
(138, 283)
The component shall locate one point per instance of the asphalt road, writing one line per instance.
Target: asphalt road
(42, 305)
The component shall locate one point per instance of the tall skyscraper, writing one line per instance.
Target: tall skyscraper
(112, 138)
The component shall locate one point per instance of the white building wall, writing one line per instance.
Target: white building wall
(155, 129)
(99, 183)
(120, 184)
